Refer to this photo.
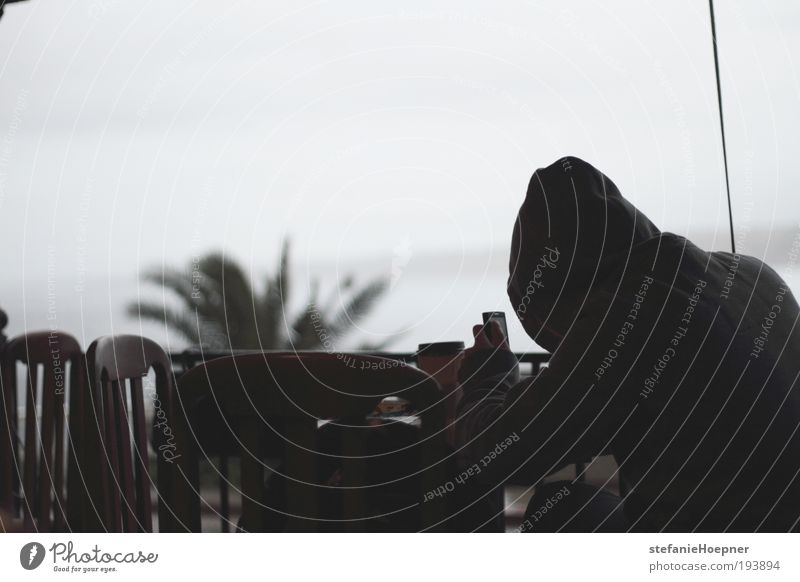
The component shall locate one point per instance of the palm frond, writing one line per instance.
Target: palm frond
(182, 322)
(177, 281)
(221, 309)
(197, 288)
(307, 325)
(359, 305)
(340, 290)
(237, 300)
(271, 308)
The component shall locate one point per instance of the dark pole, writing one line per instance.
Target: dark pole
(721, 121)
(3, 324)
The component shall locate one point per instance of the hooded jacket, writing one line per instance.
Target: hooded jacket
(681, 363)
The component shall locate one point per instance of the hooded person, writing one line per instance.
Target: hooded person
(681, 363)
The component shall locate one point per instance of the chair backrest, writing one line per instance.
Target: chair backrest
(39, 471)
(117, 367)
(284, 396)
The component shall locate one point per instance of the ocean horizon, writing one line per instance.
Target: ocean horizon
(431, 297)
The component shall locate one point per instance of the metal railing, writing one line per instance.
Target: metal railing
(184, 361)
(188, 359)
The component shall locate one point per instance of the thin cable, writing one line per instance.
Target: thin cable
(722, 122)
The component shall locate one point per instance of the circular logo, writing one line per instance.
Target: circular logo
(31, 555)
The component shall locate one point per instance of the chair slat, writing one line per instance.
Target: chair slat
(59, 485)
(144, 505)
(126, 481)
(31, 448)
(47, 480)
(9, 445)
(81, 476)
(114, 521)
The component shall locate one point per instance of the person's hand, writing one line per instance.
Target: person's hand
(495, 340)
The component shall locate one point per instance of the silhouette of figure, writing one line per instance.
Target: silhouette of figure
(680, 362)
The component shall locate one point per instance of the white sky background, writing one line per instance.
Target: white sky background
(139, 133)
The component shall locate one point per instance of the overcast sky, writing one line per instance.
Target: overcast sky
(135, 133)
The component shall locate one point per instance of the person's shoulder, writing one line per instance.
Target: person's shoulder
(747, 266)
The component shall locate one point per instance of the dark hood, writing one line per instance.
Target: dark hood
(574, 230)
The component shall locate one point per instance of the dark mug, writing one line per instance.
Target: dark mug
(442, 361)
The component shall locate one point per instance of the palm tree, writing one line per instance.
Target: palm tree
(222, 309)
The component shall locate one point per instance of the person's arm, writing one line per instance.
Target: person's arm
(531, 428)
(486, 376)
(488, 372)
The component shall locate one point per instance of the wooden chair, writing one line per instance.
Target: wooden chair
(117, 366)
(39, 473)
(282, 397)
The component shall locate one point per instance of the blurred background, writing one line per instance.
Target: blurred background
(389, 143)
